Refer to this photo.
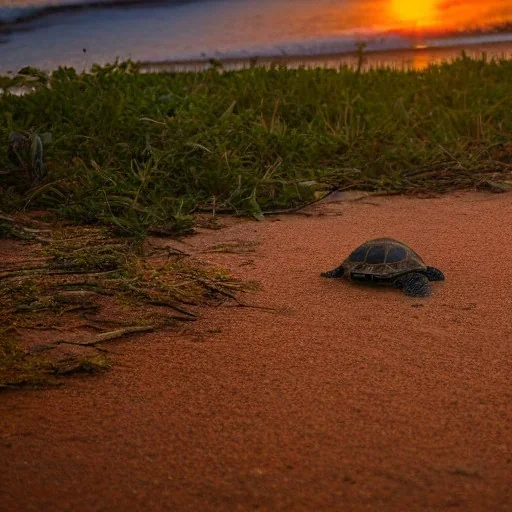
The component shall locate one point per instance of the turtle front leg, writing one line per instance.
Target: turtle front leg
(434, 274)
(337, 272)
(414, 285)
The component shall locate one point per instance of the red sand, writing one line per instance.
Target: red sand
(345, 398)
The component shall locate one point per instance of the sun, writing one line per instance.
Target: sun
(418, 12)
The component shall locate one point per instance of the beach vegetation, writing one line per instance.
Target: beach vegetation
(145, 150)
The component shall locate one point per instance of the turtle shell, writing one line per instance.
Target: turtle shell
(381, 261)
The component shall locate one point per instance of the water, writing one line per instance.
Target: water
(235, 29)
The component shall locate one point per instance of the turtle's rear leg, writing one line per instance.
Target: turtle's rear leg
(434, 274)
(414, 285)
(337, 272)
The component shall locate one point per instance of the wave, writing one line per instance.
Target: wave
(13, 17)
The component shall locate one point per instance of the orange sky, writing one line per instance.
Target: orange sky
(447, 14)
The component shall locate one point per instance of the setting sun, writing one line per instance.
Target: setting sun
(419, 12)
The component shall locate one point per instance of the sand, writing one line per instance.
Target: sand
(341, 397)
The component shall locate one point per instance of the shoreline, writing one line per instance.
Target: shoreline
(419, 58)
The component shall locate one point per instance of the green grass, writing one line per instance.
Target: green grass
(144, 150)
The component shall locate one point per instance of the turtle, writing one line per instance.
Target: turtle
(386, 261)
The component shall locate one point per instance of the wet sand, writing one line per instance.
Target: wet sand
(341, 397)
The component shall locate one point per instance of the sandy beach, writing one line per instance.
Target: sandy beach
(338, 397)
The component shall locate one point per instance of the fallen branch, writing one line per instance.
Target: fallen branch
(212, 287)
(170, 305)
(107, 336)
(296, 209)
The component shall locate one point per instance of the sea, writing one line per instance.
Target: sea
(187, 33)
